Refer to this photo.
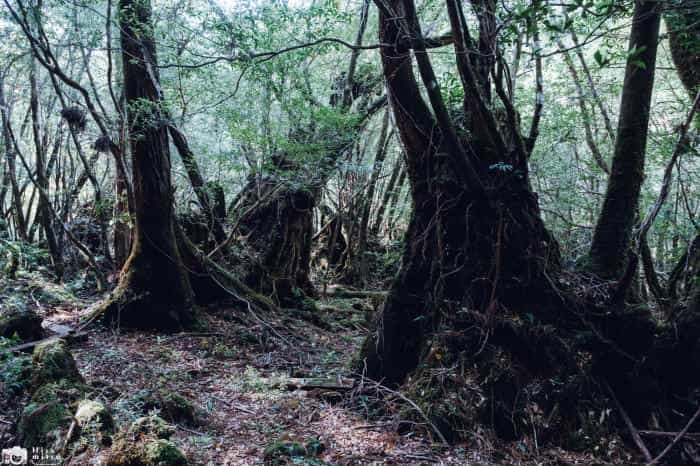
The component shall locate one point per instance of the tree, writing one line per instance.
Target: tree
(276, 210)
(475, 230)
(609, 253)
(480, 322)
(154, 288)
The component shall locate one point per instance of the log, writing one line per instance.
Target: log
(338, 383)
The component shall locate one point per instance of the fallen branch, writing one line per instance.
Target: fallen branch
(675, 440)
(633, 430)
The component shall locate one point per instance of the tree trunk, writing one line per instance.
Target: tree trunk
(460, 249)
(43, 213)
(610, 249)
(388, 191)
(154, 289)
(10, 157)
(480, 323)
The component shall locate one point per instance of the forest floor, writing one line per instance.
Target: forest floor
(257, 384)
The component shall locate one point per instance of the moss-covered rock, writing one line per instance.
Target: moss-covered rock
(144, 443)
(24, 324)
(94, 413)
(66, 391)
(154, 452)
(151, 426)
(280, 452)
(54, 362)
(41, 424)
(172, 406)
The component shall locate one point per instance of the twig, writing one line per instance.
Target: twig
(418, 410)
(676, 439)
(658, 433)
(231, 405)
(189, 430)
(633, 430)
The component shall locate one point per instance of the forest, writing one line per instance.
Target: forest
(349, 232)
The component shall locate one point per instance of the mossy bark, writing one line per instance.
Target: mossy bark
(482, 326)
(609, 253)
(154, 289)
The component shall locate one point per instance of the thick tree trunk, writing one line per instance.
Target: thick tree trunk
(608, 257)
(154, 289)
(683, 21)
(481, 324)
(278, 223)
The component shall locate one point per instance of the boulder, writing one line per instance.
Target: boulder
(41, 424)
(52, 362)
(21, 323)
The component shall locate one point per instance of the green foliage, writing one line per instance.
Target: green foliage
(15, 370)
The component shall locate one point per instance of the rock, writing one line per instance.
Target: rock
(172, 406)
(66, 391)
(144, 444)
(41, 424)
(151, 425)
(52, 362)
(24, 324)
(281, 451)
(92, 412)
(146, 453)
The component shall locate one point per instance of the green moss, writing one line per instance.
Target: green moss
(172, 406)
(15, 374)
(64, 390)
(163, 453)
(53, 362)
(148, 453)
(151, 425)
(279, 452)
(41, 424)
(152, 448)
(276, 453)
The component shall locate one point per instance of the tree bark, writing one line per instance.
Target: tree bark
(154, 289)
(43, 213)
(10, 157)
(609, 253)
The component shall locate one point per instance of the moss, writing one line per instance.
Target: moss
(64, 390)
(93, 412)
(172, 406)
(53, 362)
(280, 451)
(151, 425)
(24, 324)
(148, 453)
(41, 423)
(151, 447)
(15, 374)
(163, 453)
